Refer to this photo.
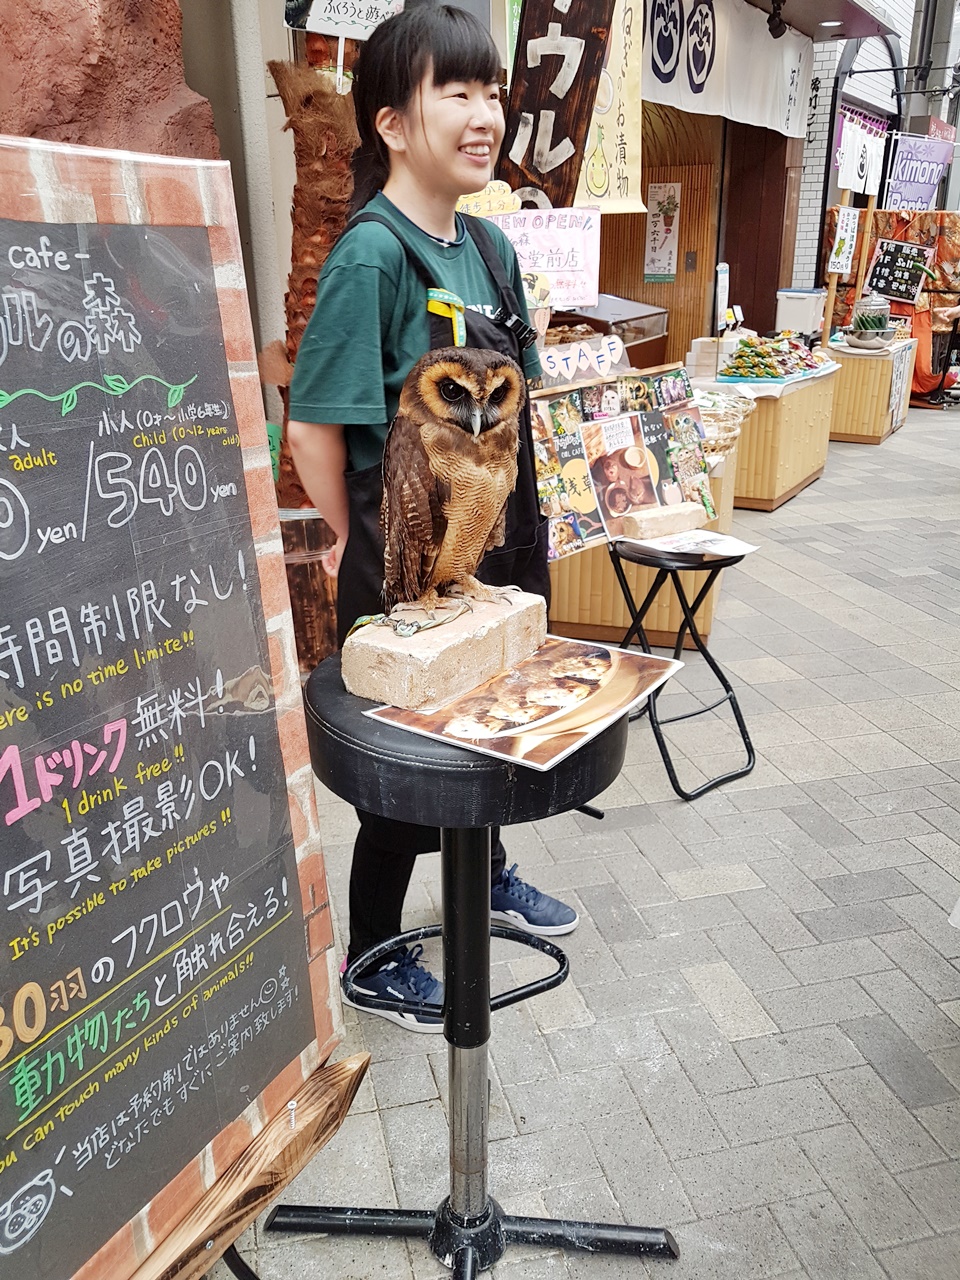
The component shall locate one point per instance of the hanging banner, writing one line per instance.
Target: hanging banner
(559, 254)
(610, 177)
(694, 59)
(916, 167)
(876, 126)
(841, 255)
(861, 159)
(556, 73)
(663, 231)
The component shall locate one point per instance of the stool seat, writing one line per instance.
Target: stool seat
(408, 778)
(653, 559)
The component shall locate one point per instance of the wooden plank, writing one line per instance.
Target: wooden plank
(855, 439)
(556, 73)
(269, 1164)
(771, 504)
(865, 246)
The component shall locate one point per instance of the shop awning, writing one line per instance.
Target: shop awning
(832, 19)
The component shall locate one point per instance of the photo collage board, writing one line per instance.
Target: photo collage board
(614, 448)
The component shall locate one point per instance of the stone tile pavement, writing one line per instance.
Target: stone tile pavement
(760, 1042)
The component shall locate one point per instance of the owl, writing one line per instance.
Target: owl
(449, 466)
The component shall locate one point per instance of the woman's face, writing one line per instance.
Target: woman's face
(452, 134)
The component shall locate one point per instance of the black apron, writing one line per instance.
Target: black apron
(522, 560)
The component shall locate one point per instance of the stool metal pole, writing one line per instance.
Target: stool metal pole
(465, 870)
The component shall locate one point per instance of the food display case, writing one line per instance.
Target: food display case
(641, 328)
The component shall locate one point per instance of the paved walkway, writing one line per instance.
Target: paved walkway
(760, 1042)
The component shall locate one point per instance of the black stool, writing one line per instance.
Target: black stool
(668, 566)
(384, 770)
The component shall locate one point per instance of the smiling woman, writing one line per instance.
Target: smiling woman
(408, 276)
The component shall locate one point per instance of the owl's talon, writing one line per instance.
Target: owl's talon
(433, 615)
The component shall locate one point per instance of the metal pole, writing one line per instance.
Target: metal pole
(465, 867)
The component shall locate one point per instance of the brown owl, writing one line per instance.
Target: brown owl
(449, 465)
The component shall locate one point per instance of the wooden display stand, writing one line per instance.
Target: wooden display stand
(587, 603)
(862, 413)
(783, 445)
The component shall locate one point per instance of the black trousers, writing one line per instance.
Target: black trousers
(385, 851)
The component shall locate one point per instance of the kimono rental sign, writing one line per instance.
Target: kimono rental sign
(916, 169)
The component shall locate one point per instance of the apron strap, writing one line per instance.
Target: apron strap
(418, 264)
(509, 313)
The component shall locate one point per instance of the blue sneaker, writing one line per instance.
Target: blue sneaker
(405, 978)
(520, 904)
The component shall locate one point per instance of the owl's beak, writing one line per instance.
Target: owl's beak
(476, 421)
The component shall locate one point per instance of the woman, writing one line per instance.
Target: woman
(426, 91)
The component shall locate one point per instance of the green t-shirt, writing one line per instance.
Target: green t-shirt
(370, 324)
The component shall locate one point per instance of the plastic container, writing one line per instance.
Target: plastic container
(873, 307)
(800, 310)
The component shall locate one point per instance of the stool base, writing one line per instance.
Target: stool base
(469, 1248)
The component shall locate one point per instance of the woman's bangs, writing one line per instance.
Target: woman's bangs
(461, 50)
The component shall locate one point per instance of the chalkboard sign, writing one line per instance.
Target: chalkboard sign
(897, 270)
(152, 957)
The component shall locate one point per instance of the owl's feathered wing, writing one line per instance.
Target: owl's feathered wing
(411, 515)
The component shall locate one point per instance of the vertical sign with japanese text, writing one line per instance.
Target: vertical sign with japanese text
(152, 957)
(556, 73)
(610, 176)
(663, 233)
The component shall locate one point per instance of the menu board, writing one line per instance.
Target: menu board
(153, 971)
(898, 270)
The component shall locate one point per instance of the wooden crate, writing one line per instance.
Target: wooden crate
(588, 604)
(783, 445)
(861, 406)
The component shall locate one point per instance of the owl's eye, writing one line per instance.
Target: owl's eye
(500, 394)
(451, 391)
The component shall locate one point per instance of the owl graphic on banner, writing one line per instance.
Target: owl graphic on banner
(667, 31)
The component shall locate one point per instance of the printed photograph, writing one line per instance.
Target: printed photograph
(619, 469)
(546, 707)
(564, 537)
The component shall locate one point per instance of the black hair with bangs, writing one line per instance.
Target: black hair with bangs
(391, 66)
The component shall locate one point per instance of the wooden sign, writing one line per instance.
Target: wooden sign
(556, 73)
(164, 955)
(898, 270)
